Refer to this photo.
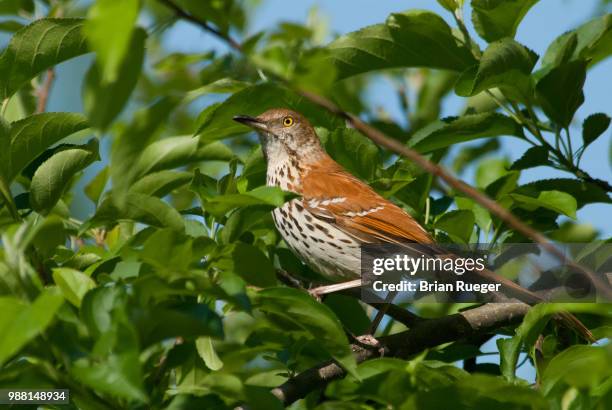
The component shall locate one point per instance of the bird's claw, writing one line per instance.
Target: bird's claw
(370, 342)
(316, 294)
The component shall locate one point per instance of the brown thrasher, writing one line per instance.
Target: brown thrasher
(336, 212)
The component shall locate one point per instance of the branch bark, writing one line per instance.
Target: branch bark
(44, 91)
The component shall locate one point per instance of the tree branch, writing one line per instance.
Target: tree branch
(44, 90)
(425, 334)
(435, 169)
(203, 24)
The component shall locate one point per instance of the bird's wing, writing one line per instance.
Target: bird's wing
(334, 195)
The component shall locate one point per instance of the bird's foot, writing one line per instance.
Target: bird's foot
(314, 293)
(370, 342)
(320, 291)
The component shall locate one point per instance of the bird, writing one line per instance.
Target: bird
(335, 213)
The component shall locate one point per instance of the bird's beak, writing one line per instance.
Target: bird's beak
(252, 122)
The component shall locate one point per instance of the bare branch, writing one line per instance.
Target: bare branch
(203, 24)
(44, 90)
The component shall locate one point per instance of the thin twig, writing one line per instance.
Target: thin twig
(43, 92)
(203, 24)
(4, 106)
(470, 45)
(565, 161)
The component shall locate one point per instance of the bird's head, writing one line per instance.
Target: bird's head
(283, 133)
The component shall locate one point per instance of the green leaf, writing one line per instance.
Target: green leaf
(450, 5)
(207, 352)
(508, 357)
(415, 38)
(96, 309)
(582, 367)
(559, 91)
(187, 320)
(479, 392)
(436, 85)
(128, 148)
(263, 195)
(37, 47)
(453, 130)
(458, 224)
(20, 323)
(260, 398)
(505, 64)
(315, 71)
(175, 152)
(481, 215)
(111, 45)
(222, 14)
(161, 183)
(467, 155)
(216, 121)
(356, 153)
(5, 189)
(557, 201)
(533, 324)
(593, 42)
(103, 101)
(52, 177)
(495, 19)
(168, 251)
(533, 157)
(140, 208)
(350, 312)
(16, 6)
(73, 284)
(242, 220)
(584, 192)
(119, 376)
(594, 126)
(96, 186)
(10, 26)
(313, 317)
(32, 135)
(249, 263)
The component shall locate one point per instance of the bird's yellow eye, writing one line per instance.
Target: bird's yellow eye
(288, 121)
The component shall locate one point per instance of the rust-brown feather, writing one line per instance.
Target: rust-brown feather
(382, 221)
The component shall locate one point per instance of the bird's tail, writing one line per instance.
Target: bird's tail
(576, 325)
(531, 298)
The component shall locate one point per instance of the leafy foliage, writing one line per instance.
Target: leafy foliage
(171, 290)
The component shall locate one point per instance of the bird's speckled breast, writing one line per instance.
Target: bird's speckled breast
(324, 247)
(320, 244)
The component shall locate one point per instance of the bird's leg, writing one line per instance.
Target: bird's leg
(336, 287)
(381, 313)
